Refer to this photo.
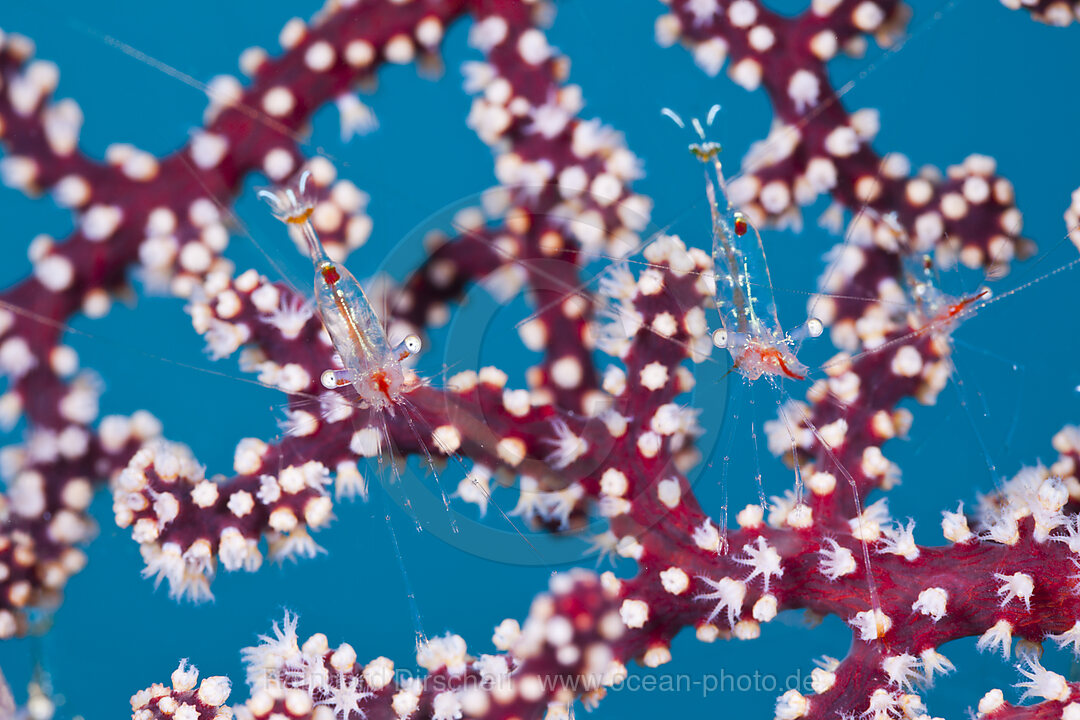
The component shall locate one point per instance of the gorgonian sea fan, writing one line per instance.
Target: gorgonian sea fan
(568, 188)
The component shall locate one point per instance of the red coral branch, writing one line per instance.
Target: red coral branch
(585, 442)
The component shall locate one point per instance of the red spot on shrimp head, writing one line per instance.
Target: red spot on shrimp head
(741, 226)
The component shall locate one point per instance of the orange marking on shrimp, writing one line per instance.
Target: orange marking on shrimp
(301, 217)
(956, 308)
(952, 311)
(773, 357)
(381, 382)
(786, 369)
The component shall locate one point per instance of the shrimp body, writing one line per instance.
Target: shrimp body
(370, 364)
(373, 367)
(750, 330)
(934, 310)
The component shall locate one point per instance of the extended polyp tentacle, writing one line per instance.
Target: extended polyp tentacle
(1060, 698)
(1072, 218)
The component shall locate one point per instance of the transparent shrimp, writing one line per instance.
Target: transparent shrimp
(750, 330)
(370, 364)
(930, 309)
(939, 311)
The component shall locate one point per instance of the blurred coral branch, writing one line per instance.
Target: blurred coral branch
(583, 440)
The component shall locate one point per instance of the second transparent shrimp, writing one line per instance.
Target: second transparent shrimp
(750, 330)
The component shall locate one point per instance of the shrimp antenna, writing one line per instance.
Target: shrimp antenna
(673, 116)
(289, 205)
(713, 111)
(697, 128)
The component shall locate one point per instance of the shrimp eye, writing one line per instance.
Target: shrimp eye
(720, 338)
(814, 327)
(740, 225)
(413, 344)
(329, 380)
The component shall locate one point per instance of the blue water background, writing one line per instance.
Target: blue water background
(979, 79)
